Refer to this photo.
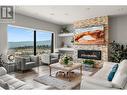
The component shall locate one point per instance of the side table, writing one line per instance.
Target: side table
(10, 66)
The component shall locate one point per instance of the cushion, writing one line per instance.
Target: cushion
(104, 71)
(11, 87)
(109, 64)
(2, 88)
(25, 87)
(98, 81)
(18, 84)
(120, 78)
(33, 58)
(55, 55)
(112, 72)
(27, 59)
(29, 63)
(12, 81)
(3, 71)
(119, 81)
(6, 77)
(54, 59)
(123, 67)
(4, 84)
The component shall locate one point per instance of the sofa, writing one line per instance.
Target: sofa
(100, 79)
(7, 82)
(26, 63)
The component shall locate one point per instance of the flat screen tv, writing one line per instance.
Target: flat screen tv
(90, 35)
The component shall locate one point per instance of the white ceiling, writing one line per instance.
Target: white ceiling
(68, 14)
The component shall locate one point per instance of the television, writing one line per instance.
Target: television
(90, 35)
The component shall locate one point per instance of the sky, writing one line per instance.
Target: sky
(16, 34)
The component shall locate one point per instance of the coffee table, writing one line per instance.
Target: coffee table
(65, 69)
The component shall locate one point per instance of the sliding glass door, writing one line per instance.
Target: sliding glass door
(43, 42)
(26, 41)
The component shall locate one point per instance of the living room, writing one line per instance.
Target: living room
(85, 44)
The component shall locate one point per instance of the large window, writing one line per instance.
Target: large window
(43, 42)
(25, 41)
(20, 41)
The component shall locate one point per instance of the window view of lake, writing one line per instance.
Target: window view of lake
(21, 41)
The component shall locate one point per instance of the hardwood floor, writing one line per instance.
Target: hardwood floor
(28, 77)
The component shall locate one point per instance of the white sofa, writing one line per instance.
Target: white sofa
(100, 79)
(13, 83)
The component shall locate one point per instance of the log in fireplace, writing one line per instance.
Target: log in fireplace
(89, 54)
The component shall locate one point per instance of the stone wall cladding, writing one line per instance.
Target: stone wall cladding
(104, 48)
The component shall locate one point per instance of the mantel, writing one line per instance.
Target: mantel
(66, 35)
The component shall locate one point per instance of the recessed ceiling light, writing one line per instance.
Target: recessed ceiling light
(88, 8)
(52, 14)
(66, 14)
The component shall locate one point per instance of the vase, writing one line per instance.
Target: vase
(89, 66)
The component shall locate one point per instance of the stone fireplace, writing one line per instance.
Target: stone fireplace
(89, 54)
(98, 57)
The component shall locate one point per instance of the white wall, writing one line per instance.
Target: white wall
(3, 38)
(118, 29)
(29, 22)
(25, 21)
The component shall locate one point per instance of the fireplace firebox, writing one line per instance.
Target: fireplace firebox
(89, 54)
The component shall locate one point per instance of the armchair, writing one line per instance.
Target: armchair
(50, 58)
(25, 63)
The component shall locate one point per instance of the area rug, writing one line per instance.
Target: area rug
(60, 82)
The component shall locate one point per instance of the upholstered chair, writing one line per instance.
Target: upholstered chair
(25, 63)
(49, 58)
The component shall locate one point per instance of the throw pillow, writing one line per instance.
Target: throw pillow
(4, 85)
(119, 81)
(112, 73)
(33, 58)
(3, 71)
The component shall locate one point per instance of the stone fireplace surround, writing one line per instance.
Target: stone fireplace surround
(103, 48)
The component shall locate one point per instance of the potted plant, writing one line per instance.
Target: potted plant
(88, 63)
(66, 60)
(118, 52)
(65, 30)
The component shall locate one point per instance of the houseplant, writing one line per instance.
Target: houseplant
(88, 63)
(66, 60)
(118, 52)
(64, 30)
